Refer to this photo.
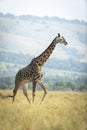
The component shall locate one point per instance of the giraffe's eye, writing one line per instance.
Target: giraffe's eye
(61, 39)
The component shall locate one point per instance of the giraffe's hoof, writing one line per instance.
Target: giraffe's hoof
(42, 102)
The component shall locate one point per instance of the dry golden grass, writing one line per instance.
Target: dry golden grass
(60, 111)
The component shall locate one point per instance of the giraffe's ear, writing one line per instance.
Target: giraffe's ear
(58, 34)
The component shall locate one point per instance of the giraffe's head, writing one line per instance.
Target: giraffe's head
(60, 39)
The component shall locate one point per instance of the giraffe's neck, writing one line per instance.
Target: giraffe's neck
(41, 59)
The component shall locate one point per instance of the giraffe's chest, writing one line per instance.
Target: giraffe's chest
(36, 73)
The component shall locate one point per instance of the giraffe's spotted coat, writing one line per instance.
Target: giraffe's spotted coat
(33, 72)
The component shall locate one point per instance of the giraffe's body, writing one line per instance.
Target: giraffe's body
(33, 72)
(30, 73)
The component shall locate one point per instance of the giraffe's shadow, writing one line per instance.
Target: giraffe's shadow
(2, 96)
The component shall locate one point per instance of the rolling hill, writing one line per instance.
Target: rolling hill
(26, 36)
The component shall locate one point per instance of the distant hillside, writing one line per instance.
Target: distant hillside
(31, 35)
(26, 36)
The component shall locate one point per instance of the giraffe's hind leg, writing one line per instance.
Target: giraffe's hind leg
(33, 91)
(17, 85)
(25, 92)
(14, 94)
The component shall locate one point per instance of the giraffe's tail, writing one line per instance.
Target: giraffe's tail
(10, 96)
(5, 96)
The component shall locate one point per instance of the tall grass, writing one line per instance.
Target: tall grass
(60, 111)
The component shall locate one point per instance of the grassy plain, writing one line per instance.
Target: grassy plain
(60, 111)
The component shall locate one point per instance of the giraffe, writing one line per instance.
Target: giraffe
(33, 72)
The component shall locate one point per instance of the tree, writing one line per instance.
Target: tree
(71, 84)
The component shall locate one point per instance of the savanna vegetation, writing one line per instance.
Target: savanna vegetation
(20, 38)
(60, 111)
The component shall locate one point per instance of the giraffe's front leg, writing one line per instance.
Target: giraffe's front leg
(33, 91)
(44, 88)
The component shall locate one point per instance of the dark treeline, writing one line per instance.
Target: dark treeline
(59, 85)
(71, 65)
